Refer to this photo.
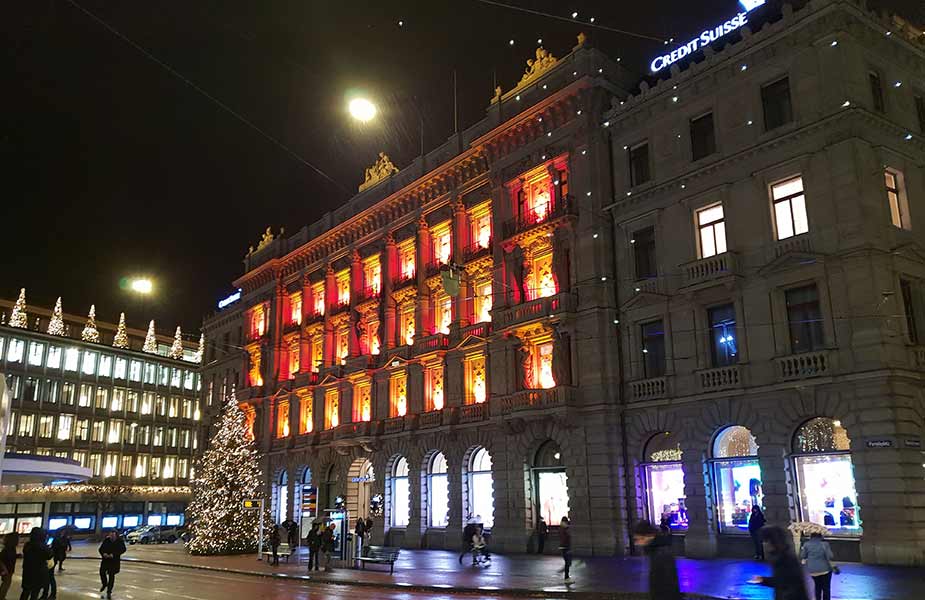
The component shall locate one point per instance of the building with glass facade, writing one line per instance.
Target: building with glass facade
(616, 299)
(132, 418)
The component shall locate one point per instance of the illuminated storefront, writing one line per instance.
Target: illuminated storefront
(551, 484)
(481, 489)
(401, 494)
(439, 491)
(737, 478)
(825, 477)
(663, 477)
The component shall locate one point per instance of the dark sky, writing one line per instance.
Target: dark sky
(111, 165)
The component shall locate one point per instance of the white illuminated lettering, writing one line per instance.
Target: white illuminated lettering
(706, 37)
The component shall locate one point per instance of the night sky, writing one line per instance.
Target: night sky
(111, 165)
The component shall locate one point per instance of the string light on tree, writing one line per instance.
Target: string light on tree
(90, 332)
(200, 352)
(176, 349)
(150, 345)
(227, 474)
(56, 325)
(19, 318)
(121, 338)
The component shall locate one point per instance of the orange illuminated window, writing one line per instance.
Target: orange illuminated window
(362, 401)
(443, 245)
(318, 298)
(306, 414)
(372, 275)
(476, 379)
(406, 324)
(331, 408)
(317, 344)
(406, 259)
(341, 343)
(535, 200)
(480, 218)
(293, 356)
(541, 281)
(543, 355)
(282, 418)
(250, 418)
(258, 321)
(443, 312)
(372, 337)
(342, 280)
(398, 394)
(295, 308)
(483, 302)
(433, 385)
(254, 376)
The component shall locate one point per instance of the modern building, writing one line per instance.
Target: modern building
(129, 419)
(548, 315)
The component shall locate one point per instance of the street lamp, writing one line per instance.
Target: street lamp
(142, 285)
(365, 110)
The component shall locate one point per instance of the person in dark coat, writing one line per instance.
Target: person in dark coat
(468, 532)
(111, 551)
(755, 522)
(8, 562)
(565, 546)
(313, 541)
(60, 546)
(663, 572)
(35, 557)
(327, 546)
(542, 530)
(787, 575)
(275, 541)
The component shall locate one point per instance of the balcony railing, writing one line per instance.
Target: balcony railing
(536, 399)
(535, 309)
(431, 343)
(340, 307)
(797, 243)
(433, 418)
(393, 425)
(303, 379)
(557, 208)
(470, 413)
(706, 269)
(369, 293)
(352, 430)
(649, 389)
(403, 280)
(313, 317)
(434, 266)
(802, 366)
(482, 330)
(476, 250)
(720, 378)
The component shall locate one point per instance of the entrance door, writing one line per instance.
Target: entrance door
(359, 488)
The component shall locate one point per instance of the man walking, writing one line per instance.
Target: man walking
(565, 546)
(313, 541)
(60, 546)
(111, 551)
(468, 532)
(542, 530)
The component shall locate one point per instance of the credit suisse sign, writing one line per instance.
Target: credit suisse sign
(706, 38)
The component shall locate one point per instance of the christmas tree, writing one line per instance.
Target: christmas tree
(202, 348)
(176, 350)
(121, 339)
(18, 317)
(227, 474)
(90, 333)
(56, 325)
(150, 340)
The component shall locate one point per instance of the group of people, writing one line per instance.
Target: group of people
(40, 560)
(475, 543)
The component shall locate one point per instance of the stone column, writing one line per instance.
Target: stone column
(423, 317)
(701, 538)
(771, 459)
(462, 304)
(356, 291)
(330, 300)
(389, 271)
(305, 359)
(417, 518)
(454, 525)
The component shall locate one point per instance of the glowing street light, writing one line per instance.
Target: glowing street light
(142, 285)
(362, 109)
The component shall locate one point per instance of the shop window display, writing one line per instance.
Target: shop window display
(664, 482)
(825, 477)
(481, 489)
(439, 492)
(737, 478)
(551, 484)
(401, 495)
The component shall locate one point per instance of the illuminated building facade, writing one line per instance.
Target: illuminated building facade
(132, 418)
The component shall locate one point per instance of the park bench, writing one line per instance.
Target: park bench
(284, 551)
(380, 554)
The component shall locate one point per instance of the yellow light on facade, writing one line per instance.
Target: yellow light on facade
(362, 109)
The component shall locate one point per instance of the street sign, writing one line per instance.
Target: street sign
(252, 504)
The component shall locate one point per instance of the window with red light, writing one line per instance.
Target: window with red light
(406, 259)
(442, 241)
(318, 298)
(295, 308)
(372, 275)
(481, 227)
(540, 282)
(362, 401)
(534, 200)
(342, 280)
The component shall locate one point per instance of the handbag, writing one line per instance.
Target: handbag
(50, 563)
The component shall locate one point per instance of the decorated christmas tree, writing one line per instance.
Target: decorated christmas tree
(201, 350)
(18, 317)
(176, 349)
(56, 325)
(121, 338)
(150, 340)
(227, 474)
(90, 333)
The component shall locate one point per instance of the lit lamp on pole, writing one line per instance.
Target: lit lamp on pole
(141, 286)
(364, 110)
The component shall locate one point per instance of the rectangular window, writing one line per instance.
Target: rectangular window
(920, 111)
(342, 283)
(172, 437)
(163, 375)
(443, 313)
(105, 366)
(433, 387)
(639, 164)
(443, 243)
(32, 389)
(141, 466)
(134, 372)
(121, 365)
(125, 467)
(131, 433)
(295, 308)
(115, 432)
(703, 137)
(406, 259)
(306, 414)
(54, 357)
(643, 242)
(653, 349)
(804, 316)
(170, 464)
(46, 426)
(144, 435)
(96, 464)
(186, 409)
(98, 431)
(65, 426)
(406, 325)
(398, 394)
(483, 302)
(15, 350)
(150, 373)
(775, 101)
(131, 399)
(183, 468)
(176, 378)
(909, 305)
(158, 436)
(118, 400)
(174, 407)
(712, 228)
(481, 228)
(85, 396)
(184, 438)
(160, 405)
(723, 342)
(67, 393)
(36, 350)
(102, 397)
(331, 409)
(476, 381)
(155, 467)
(80, 457)
(876, 90)
(372, 276)
(71, 359)
(53, 388)
(89, 363)
(14, 384)
(899, 211)
(318, 298)
(282, 419)
(26, 425)
(789, 208)
(82, 430)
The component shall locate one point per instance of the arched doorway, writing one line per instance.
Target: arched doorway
(281, 496)
(305, 507)
(663, 480)
(438, 488)
(330, 487)
(550, 484)
(480, 501)
(360, 478)
(737, 477)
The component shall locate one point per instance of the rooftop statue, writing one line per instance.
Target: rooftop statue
(536, 67)
(381, 169)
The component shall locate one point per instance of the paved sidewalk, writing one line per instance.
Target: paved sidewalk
(530, 575)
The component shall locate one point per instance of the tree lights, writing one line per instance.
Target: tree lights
(90, 332)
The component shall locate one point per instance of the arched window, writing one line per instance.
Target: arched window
(825, 476)
(664, 482)
(306, 501)
(330, 487)
(481, 489)
(281, 496)
(401, 496)
(439, 491)
(551, 484)
(737, 477)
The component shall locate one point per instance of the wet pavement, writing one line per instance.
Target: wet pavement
(437, 571)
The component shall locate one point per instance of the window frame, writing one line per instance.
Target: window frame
(875, 84)
(897, 201)
(812, 329)
(787, 115)
(653, 370)
(789, 199)
(712, 225)
(709, 142)
(637, 178)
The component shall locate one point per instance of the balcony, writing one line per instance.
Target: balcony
(482, 330)
(305, 378)
(797, 243)
(291, 326)
(434, 266)
(431, 343)
(536, 399)
(535, 309)
(313, 317)
(476, 251)
(709, 269)
(393, 425)
(804, 365)
(649, 389)
(340, 307)
(720, 378)
(369, 293)
(403, 281)
(557, 208)
(430, 419)
(352, 430)
(471, 413)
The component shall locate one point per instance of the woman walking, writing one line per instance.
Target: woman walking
(817, 556)
(565, 546)
(35, 557)
(755, 522)
(111, 551)
(8, 562)
(786, 575)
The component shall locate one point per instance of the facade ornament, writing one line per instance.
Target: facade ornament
(525, 367)
(518, 270)
(497, 95)
(560, 259)
(561, 359)
(355, 256)
(381, 169)
(582, 38)
(536, 67)
(422, 222)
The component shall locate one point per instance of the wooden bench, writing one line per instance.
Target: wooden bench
(284, 551)
(380, 554)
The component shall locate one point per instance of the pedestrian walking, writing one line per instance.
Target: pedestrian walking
(327, 546)
(359, 537)
(111, 551)
(275, 541)
(60, 546)
(8, 562)
(36, 555)
(313, 541)
(663, 572)
(292, 532)
(786, 575)
(755, 522)
(565, 547)
(817, 556)
(542, 530)
(50, 591)
(468, 532)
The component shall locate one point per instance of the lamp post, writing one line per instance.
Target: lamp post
(142, 287)
(364, 110)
